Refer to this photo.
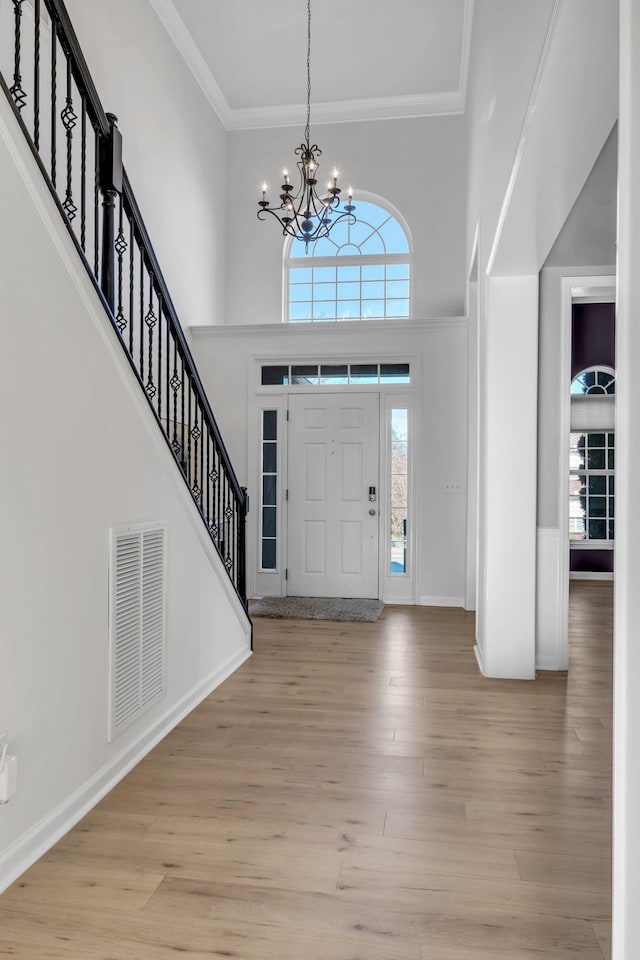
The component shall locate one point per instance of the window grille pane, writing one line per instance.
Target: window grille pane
(397, 308)
(269, 457)
(300, 275)
(348, 273)
(274, 376)
(270, 422)
(269, 491)
(364, 372)
(394, 237)
(299, 311)
(348, 309)
(334, 374)
(269, 554)
(595, 459)
(349, 291)
(373, 290)
(597, 530)
(394, 373)
(304, 374)
(398, 289)
(397, 271)
(300, 291)
(373, 309)
(324, 274)
(324, 310)
(373, 272)
(269, 522)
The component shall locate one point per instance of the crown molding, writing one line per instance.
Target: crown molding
(374, 108)
(348, 111)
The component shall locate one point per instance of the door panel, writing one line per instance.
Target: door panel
(333, 460)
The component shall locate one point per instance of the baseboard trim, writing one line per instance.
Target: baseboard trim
(442, 601)
(44, 834)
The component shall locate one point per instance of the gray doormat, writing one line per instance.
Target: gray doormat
(316, 608)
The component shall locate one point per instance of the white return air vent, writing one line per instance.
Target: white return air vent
(137, 605)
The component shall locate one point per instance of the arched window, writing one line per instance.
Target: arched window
(593, 382)
(592, 458)
(361, 271)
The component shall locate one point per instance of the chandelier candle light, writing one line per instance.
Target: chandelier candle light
(305, 215)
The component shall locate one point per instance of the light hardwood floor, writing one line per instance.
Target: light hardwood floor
(353, 792)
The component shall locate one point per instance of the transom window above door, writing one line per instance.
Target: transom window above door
(361, 271)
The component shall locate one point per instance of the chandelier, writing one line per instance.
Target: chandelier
(305, 215)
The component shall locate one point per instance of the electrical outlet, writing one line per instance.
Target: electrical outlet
(452, 486)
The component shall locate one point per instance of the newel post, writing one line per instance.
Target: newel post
(111, 188)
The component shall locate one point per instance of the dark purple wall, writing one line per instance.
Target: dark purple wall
(600, 561)
(593, 336)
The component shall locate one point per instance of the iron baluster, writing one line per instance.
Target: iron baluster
(36, 75)
(83, 173)
(54, 82)
(159, 377)
(16, 90)
(182, 460)
(69, 118)
(110, 187)
(132, 237)
(150, 322)
(96, 205)
(208, 488)
(141, 315)
(201, 459)
(242, 537)
(189, 431)
(195, 434)
(175, 386)
(121, 246)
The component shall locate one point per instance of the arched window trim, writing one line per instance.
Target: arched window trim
(347, 261)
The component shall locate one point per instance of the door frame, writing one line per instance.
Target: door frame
(573, 288)
(397, 589)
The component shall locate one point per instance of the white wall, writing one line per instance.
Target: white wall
(81, 453)
(626, 789)
(538, 116)
(418, 165)
(174, 146)
(224, 358)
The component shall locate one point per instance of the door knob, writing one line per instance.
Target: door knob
(372, 513)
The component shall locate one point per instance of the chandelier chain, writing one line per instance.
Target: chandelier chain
(307, 131)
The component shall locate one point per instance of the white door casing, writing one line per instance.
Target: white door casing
(333, 526)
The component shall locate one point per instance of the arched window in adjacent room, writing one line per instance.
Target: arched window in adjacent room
(361, 271)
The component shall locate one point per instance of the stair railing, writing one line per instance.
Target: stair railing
(78, 148)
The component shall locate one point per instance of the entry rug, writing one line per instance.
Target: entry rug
(316, 608)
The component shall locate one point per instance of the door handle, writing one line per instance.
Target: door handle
(372, 512)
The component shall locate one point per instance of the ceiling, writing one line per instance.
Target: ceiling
(370, 59)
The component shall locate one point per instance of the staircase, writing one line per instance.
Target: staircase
(78, 149)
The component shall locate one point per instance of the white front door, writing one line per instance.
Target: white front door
(333, 469)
